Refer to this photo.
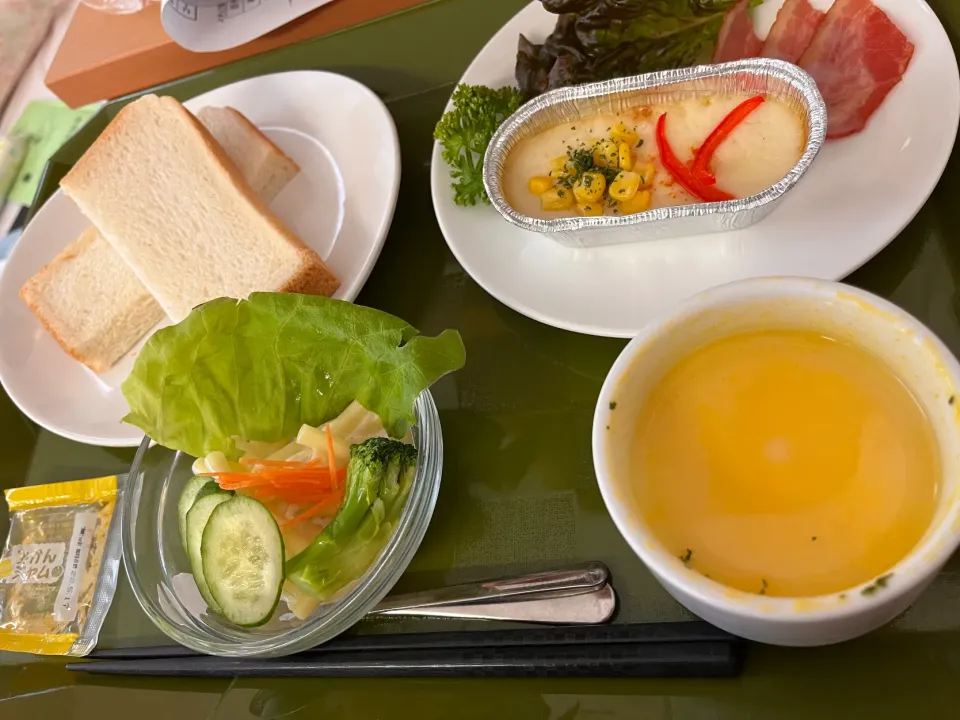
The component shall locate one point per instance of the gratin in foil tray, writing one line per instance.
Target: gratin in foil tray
(759, 76)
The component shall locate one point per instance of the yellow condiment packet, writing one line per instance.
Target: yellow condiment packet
(58, 570)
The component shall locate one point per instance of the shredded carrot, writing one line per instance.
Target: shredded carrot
(292, 492)
(306, 482)
(294, 475)
(300, 499)
(305, 515)
(252, 480)
(260, 493)
(294, 497)
(332, 457)
(321, 473)
(314, 475)
(293, 482)
(281, 463)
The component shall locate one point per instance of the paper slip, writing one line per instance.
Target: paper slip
(209, 26)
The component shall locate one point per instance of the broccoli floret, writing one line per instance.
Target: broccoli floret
(378, 452)
(408, 470)
(379, 476)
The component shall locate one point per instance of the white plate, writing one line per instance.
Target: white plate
(859, 194)
(341, 204)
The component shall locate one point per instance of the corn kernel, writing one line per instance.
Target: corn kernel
(647, 171)
(605, 154)
(621, 133)
(638, 203)
(625, 185)
(557, 198)
(625, 155)
(589, 188)
(593, 208)
(539, 184)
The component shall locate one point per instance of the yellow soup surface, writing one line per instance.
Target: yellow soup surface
(785, 463)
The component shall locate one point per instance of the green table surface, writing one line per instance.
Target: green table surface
(518, 489)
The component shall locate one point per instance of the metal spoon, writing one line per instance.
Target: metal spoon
(580, 594)
(581, 608)
(572, 580)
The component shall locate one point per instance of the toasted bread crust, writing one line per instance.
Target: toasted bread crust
(78, 175)
(89, 163)
(76, 354)
(313, 277)
(141, 315)
(31, 293)
(241, 118)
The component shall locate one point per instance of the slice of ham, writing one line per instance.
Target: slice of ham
(857, 56)
(737, 39)
(796, 24)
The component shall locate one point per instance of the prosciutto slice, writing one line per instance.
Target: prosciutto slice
(737, 39)
(857, 57)
(796, 24)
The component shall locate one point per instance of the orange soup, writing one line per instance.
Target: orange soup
(785, 463)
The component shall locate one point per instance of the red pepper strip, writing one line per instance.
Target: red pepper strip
(681, 173)
(701, 163)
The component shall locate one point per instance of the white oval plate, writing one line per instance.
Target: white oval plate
(349, 159)
(858, 195)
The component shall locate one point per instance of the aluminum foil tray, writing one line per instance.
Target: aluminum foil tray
(763, 76)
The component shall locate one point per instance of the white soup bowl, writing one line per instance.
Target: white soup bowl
(908, 348)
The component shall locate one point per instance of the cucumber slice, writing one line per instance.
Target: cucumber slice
(197, 518)
(243, 557)
(192, 491)
(211, 488)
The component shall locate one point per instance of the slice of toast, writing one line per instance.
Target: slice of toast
(91, 302)
(88, 297)
(165, 195)
(262, 164)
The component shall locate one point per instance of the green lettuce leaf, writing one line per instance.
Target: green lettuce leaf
(603, 39)
(258, 369)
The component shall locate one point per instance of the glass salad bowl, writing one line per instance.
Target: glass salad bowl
(160, 574)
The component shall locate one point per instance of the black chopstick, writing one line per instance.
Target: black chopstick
(666, 632)
(702, 659)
